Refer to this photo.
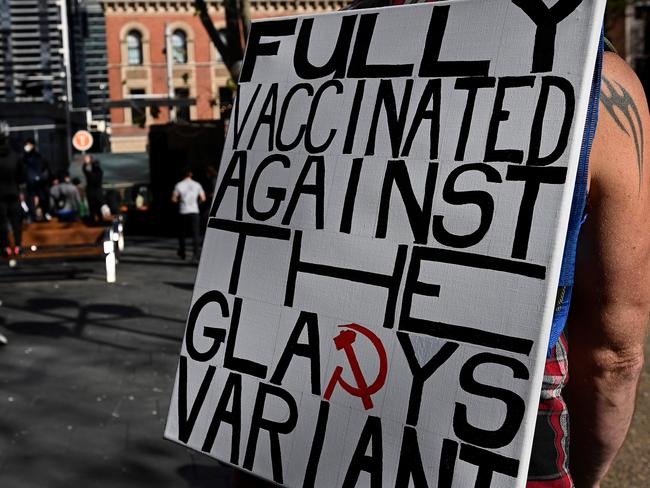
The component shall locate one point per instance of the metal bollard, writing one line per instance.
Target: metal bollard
(109, 250)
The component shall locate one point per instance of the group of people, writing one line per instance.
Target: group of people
(30, 191)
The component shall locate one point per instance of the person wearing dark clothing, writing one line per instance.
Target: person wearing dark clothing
(94, 193)
(37, 175)
(11, 175)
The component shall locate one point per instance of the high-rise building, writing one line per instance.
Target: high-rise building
(89, 64)
(42, 43)
(31, 51)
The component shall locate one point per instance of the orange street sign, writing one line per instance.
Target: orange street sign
(82, 140)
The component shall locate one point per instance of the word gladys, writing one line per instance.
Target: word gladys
(475, 441)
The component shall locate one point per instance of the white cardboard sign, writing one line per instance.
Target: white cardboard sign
(377, 283)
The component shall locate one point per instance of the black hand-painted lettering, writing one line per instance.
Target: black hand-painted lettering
(371, 436)
(317, 445)
(216, 335)
(239, 129)
(515, 405)
(350, 196)
(534, 177)
(284, 110)
(488, 463)
(430, 95)
(431, 66)
(246, 229)
(447, 463)
(237, 161)
(255, 48)
(267, 117)
(618, 99)
(359, 67)
(230, 361)
(273, 427)
(309, 144)
(564, 85)
(472, 85)
(275, 194)
(453, 332)
(309, 350)
(355, 110)
(390, 282)
(546, 19)
(317, 189)
(336, 65)
(410, 461)
(492, 154)
(231, 393)
(481, 199)
(185, 422)
(395, 120)
(421, 373)
(419, 216)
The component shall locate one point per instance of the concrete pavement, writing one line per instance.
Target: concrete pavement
(87, 374)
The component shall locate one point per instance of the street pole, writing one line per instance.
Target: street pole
(170, 72)
(65, 40)
(102, 87)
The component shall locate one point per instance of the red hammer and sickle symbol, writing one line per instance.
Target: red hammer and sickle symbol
(344, 342)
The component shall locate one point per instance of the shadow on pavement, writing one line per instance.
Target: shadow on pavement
(200, 476)
(155, 262)
(181, 286)
(60, 313)
(31, 276)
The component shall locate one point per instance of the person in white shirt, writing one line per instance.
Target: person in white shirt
(188, 193)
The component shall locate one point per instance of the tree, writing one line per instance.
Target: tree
(231, 40)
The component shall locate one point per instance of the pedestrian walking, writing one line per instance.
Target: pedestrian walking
(188, 193)
(94, 193)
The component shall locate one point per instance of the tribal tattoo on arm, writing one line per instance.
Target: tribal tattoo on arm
(619, 101)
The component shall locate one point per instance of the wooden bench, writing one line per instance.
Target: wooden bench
(44, 240)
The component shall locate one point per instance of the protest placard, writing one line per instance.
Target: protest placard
(379, 272)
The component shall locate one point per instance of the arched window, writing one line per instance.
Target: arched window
(179, 47)
(134, 47)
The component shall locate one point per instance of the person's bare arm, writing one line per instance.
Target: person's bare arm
(202, 196)
(174, 197)
(611, 303)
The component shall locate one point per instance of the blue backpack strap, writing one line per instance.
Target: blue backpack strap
(578, 204)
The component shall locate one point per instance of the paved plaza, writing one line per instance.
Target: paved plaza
(88, 371)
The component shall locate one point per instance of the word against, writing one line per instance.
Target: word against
(377, 283)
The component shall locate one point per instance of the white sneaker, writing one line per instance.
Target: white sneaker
(3, 340)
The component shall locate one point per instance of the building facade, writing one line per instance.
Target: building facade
(137, 62)
(52, 65)
(88, 49)
(32, 45)
(30, 51)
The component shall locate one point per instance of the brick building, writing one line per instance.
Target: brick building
(137, 64)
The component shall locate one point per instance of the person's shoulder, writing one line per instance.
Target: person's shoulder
(619, 155)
